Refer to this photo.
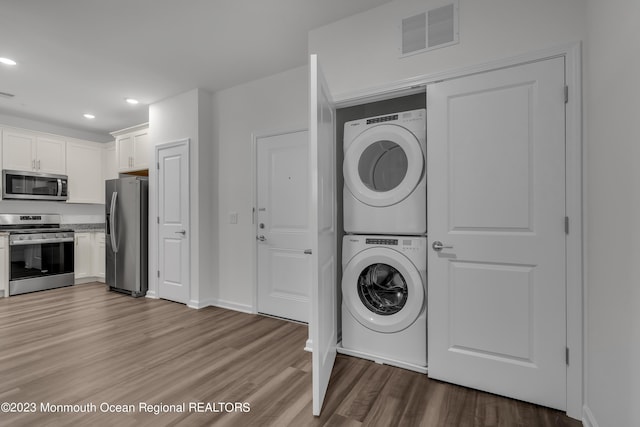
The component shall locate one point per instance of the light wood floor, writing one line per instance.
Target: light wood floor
(83, 345)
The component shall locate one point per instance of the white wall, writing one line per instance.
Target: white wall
(612, 93)
(361, 52)
(275, 103)
(188, 115)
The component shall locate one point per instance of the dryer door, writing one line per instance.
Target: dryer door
(383, 290)
(383, 165)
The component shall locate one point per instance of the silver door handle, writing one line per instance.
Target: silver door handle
(183, 232)
(261, 238)
(438, 246)
(112, 221)
(308, 252)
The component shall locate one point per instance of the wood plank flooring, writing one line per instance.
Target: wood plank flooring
(86, 346)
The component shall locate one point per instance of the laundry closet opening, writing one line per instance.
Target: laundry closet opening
(392, 163)
(361, 111)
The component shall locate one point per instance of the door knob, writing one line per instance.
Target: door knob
(183, 232)
(261, 238)
(438, 246)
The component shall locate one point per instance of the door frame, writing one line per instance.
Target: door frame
(574, 190)
(155, 292)
(255, 136)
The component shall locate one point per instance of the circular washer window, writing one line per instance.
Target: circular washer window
(383, 165)
(382, 289)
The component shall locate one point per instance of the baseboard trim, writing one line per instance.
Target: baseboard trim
(199, 304)
(230, 305)
(90, 279)
(588, 420)
(308, 346)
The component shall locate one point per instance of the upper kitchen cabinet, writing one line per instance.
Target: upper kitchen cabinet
(33, 151)
(132, 148)
(110, 162)
(84, 169)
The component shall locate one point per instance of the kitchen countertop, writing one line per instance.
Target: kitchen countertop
(97, 226)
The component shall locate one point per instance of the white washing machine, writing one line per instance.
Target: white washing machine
(385, 187)
(384, 314)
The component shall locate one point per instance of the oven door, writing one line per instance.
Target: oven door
(40, 265)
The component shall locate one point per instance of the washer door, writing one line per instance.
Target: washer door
(383, 165)
(382, 290)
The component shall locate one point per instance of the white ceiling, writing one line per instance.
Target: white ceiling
(78, 56)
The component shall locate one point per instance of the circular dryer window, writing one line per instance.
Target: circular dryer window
(383, 165)
(382, 289)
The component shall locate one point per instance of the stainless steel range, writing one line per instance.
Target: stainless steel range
(41, 253)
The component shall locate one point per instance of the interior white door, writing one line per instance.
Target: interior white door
(496, 203)
(173, 222)
(322, 214)
(283, 225)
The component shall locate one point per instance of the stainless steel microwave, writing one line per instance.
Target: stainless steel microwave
(33, 185)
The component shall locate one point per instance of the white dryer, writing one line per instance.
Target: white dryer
(384, 315)
(385, 188)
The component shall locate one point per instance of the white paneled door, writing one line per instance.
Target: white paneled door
(496, 221)
(322, 167)
(173, 221)
(283, 225)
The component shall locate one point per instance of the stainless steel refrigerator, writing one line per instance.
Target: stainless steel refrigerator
(126, 202)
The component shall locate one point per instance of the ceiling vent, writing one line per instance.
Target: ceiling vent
(429, 30)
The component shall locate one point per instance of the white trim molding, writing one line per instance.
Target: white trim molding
(230, 305)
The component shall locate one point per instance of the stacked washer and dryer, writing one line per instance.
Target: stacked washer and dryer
(384, 250)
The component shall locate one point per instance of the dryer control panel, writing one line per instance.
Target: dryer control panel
(386, 242)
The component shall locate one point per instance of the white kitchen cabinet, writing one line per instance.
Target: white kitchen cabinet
(33, 151)
(89, 256)
(84, 168)
(110, 163)
(4, 266)
(98, 252)
(132, 148)
(82, 255)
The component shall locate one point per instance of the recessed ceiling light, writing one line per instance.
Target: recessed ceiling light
(89, 116)
(7, 61)
(132, 101)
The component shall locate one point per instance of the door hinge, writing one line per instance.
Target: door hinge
(566, 225)
(566, 355)
(566, 94)
(158, 219)
(158, 165)
(158, 273)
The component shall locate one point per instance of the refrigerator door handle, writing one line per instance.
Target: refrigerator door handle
(112, 221)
